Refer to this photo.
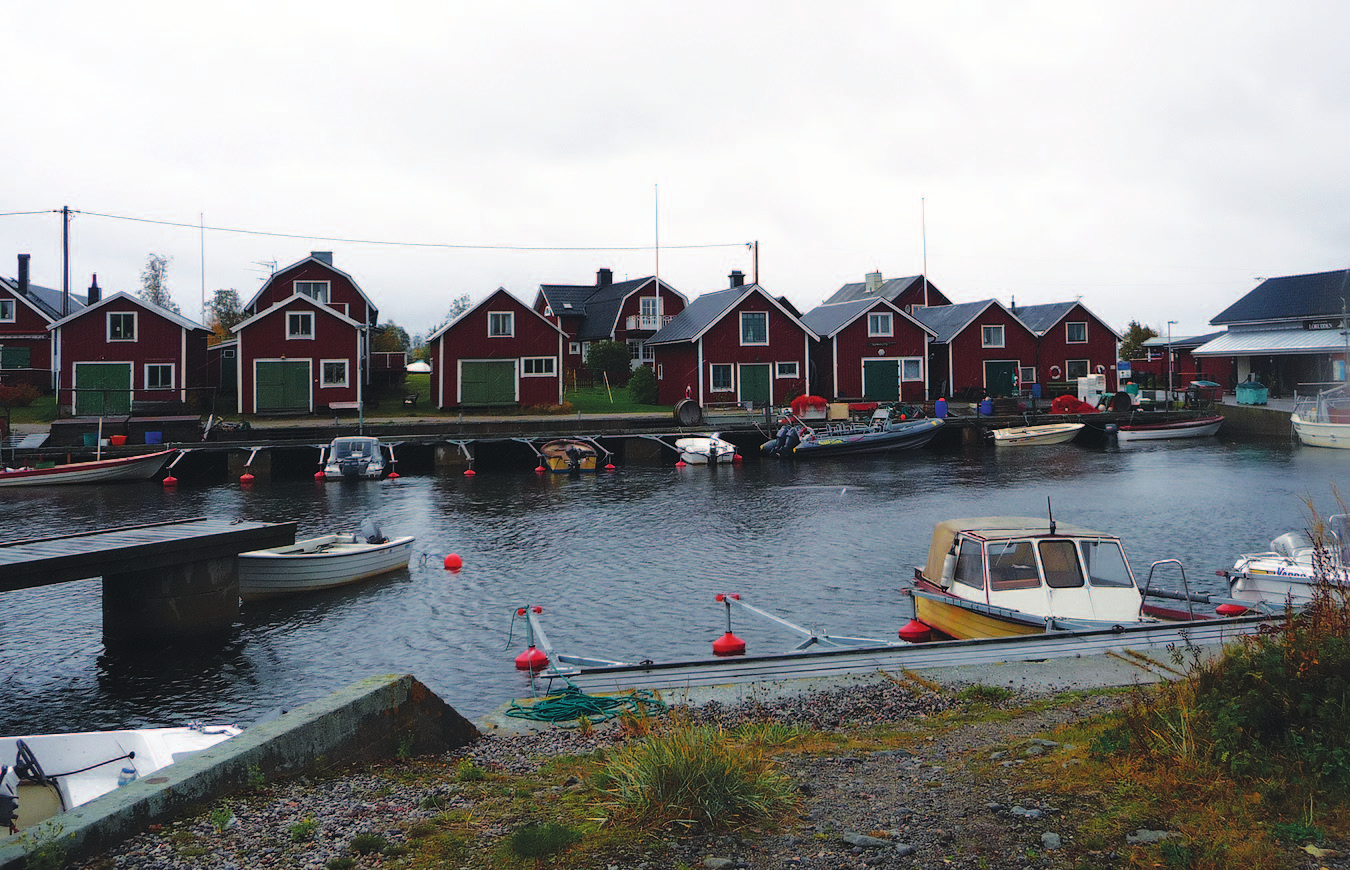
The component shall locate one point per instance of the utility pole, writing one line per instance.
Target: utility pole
(754, 250)
(1169, 364)
(65, 260)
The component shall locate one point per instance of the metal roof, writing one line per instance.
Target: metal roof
(173, 316)
(946, 321)
(702, 312)
(46, 300)
(1273, 342)
(1321, 294)
(827, 319)
(889, 290)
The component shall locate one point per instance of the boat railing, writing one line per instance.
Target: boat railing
(1162, 593)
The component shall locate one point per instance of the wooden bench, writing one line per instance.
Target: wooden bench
(344, 406)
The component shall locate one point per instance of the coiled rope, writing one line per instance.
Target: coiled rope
(573, 705)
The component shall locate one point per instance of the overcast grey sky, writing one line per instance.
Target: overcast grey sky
(1155, 159)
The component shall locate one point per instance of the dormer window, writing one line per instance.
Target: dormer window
(121, 326)
(316, 290)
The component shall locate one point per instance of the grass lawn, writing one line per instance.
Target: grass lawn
(583, 400)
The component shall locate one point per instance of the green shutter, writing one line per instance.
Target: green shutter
(102, 389)
(488, 383)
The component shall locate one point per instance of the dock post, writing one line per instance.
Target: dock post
(186, 601)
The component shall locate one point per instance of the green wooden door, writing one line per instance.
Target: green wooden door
(491, 382)
(102, 389)
(755, 384)
(1000, 377)
(881, 380)
(281, 385)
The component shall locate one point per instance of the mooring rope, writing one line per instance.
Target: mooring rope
(573, 705)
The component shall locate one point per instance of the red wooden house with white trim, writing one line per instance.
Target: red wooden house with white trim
(26, 312)
(1073, 343)
(298, 356)
(499, 352)
(625, 311)
(869, 349)
(737, 345)
(121, 350)
(979, 349)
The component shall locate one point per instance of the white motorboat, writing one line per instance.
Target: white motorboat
(1198, 427)
(54, 773)
(356, 457)
(1294, 566)
(1323, 420)
(123, 468)
(1049, 433)
(705, 450)
(324, 562)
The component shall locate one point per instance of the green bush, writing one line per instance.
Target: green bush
(642, 386)
(540, 841)
(611, 357)
(696, 776)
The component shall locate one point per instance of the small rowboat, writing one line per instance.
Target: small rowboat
(567, 455)
(705, 450)
(1050, 433)
(123, 468)
(319, 563)
(1197, 428)
(55, 773)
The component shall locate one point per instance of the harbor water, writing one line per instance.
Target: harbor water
(625, 565)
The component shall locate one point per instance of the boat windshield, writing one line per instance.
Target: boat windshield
(970, 566)
(353, 448)
(1106, 565)
(1060, 561)
(1012, 565)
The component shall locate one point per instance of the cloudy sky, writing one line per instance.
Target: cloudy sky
(1155, 159)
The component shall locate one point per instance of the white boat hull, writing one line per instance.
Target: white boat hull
(318, 563)
(705, 450)
(1321, 434)
(64, 757)
(1050, 433)
(122, 468)
(1149, 433)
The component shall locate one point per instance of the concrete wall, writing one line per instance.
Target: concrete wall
(368, 720)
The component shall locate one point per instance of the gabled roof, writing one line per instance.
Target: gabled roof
(701, 313)
(493, 295)
(287, 301)
(1322, 294)
(1181, 341)
(43, 300)
(598, 305)
(828, 319)
(1272, 342)
(889, 290)
(1040, 319)
(327, 264)
(140, 303)
(949, 321)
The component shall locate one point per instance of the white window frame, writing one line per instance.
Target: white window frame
(712, 378)
(988, 332)
(880, 324)
(745, 315)
(324, 383)
(9, 310)
(494, 320)
(324, 290)
(917, 362)
(307, 316)
(649, 306)
(574, 348)
(1026, 375)
(135, 324)
(790, 369)
(1087, 369)
(551, 362)
(1069, 330)
(173, 380)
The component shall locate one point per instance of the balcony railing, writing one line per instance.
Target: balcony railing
(648, 322)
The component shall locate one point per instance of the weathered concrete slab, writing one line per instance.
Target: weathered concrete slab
(376, 718)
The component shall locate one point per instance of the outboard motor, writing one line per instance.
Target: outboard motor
(9, 798)
(574, 456)
(371, 533)
(353, 466)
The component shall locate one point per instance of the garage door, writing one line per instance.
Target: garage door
(281, 385)
(755, 384)
(102, 389)
(491, 382)
(881, 380)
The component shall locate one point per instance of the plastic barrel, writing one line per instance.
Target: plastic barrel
(940, 408)
(154, 437)
(987, 407)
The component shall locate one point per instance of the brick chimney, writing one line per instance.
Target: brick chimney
(604, 277)
(23, 274)
(95, 294)
(737, 278)
(874, 283)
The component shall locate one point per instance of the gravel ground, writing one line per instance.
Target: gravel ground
(919, 808)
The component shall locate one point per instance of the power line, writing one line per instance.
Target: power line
(200, 228)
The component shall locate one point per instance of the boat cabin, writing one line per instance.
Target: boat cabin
(1034, 566)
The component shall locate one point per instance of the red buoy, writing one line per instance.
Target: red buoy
(170, 481)
(320, 476)
(609, 466)
(539, 469)
(453, 562)
(470, 473)
(533, 659)
(728, 645)
(736, 459)
(680, 464)
(1230, 610)
(245, 478)
(393, 475)
(915, 632)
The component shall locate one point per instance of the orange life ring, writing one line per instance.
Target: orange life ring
(1054, 373)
